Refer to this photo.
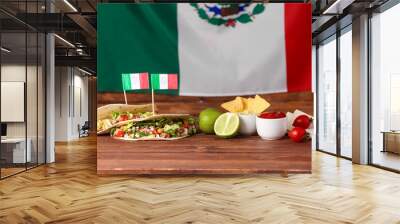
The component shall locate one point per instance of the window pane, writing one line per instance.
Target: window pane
(22, 88)
(346, 94)
(31, 97)
(41, 99)
(386, 88)
(327, 96)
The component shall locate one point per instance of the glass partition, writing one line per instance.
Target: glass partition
(41, 96)
(22, 93)
(385, 89)
(327, 96)
(31, 97)
(346, 93)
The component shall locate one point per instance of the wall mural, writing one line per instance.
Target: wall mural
(167, 72)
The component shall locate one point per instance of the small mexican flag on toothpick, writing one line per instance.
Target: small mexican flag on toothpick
(135, 81)
(163, 81)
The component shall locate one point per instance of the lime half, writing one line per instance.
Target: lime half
(227, 125)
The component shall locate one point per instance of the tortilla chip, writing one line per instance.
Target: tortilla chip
(257, 104)
(234, 106)
(246, 105)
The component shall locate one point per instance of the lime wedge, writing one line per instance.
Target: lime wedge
(227, 125)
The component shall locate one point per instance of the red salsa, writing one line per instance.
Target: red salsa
(272, 115)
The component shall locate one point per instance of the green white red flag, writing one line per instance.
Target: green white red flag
(217, 49)
(135, 81)
(164, 81)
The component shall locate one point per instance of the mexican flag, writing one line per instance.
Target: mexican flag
(218, 49)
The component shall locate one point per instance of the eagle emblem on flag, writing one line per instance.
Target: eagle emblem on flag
(228, 14)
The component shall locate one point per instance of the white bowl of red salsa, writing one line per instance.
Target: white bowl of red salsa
(271, 125)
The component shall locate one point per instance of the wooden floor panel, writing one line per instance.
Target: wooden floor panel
(70, 191)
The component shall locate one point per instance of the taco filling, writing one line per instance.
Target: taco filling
(117, 117)
(163, 128)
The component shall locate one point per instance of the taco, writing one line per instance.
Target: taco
(111, 115)
(158, 127)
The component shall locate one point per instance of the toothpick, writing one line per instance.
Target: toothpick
(126, 101)
(152, 100)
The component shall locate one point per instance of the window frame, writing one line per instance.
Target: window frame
(381, 9)
(339, 32)
(27, 29)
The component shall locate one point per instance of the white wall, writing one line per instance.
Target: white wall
(71, 102)
(80, 103)
(61, 103)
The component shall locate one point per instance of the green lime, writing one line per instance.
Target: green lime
(227, 125)
(207, 119)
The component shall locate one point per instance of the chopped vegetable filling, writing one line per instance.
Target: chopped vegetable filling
(161, 128)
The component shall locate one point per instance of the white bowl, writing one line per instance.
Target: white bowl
(271, 129)
(247, 124)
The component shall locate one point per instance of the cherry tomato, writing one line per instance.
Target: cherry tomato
(272, 115)
(119, 133)
(297, 134)
(123, 117)
(302, 121)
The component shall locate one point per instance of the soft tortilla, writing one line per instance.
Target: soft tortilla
(105, 112)
(157, 116)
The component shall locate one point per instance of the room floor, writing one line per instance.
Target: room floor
(8, 171)
(69, 191)
(387, 159)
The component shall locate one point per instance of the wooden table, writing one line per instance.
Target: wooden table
(202, 154)
(391, 141)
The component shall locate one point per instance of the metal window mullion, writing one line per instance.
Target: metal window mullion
(45, 95)
(369, 95)
(338, 95)
(45, 88)
(37, 90)
(26, 86)
(317, 96)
